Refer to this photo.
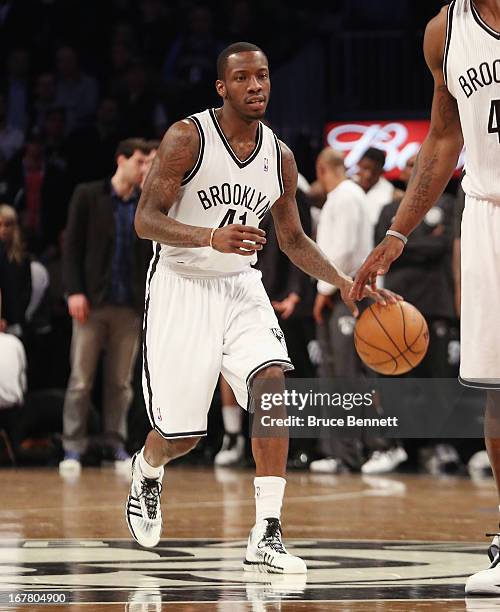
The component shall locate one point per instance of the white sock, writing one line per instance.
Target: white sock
(269, 491)
(232, 417)
(148, 470)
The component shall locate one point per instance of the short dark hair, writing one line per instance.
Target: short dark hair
(128, 147)
(152, 145)
(238, 47)
(376, 155)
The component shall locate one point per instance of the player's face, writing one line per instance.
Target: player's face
(369, 173)
(246, 85)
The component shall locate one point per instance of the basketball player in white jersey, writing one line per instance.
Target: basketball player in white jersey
(462, 49)
(214, 178)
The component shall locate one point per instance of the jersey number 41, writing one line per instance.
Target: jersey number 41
(494, 120)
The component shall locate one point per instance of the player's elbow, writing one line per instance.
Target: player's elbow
(139, 224)
(452, 141)
(290, 242)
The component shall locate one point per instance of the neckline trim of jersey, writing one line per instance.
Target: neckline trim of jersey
(482, 23)
(225, 142)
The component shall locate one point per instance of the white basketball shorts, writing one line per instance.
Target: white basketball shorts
(194, 329)
(480, 315)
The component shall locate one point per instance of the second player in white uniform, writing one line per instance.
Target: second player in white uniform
(462, 50)
(471, 69)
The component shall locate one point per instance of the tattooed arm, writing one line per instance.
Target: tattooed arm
(176, 156)
(435, 163)
(300, 249)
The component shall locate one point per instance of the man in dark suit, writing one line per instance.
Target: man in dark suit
(104, 269)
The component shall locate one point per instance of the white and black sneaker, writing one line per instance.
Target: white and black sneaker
(143, 510)
(487, 582)
(266, 553)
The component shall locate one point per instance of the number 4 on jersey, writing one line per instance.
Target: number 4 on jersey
(229, 218)
(494, 120)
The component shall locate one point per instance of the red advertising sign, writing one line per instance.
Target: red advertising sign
(399, 139)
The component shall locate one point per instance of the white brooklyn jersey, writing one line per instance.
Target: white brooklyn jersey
(472, 74)
(220, 190)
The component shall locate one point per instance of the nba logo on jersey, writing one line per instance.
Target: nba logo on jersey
(266, 164)
(279, 335)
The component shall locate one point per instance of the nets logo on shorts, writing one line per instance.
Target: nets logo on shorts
(280, 336)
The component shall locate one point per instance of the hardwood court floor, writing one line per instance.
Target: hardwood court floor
(402, 542)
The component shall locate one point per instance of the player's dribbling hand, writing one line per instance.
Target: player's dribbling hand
(376, 264)
(381, 296)
(78, 307)
(239, 239)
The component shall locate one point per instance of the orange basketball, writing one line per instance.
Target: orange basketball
(391, 339)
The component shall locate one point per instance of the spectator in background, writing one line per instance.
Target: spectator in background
(11, 138)
(156, 29)
(92, 148)
(6, 291)
(5, 191)
(379, 191)
(40, 193)
(345, 236)
(17, 88)
(12, 364)
(120, 60)
(242, 21)
(28, 279)
(141, 109)
(76, 91)
(423, 275)
(124, 33)
(12, 372)
(189, 66)
(13, 25)
(45, 98)
(16, 270)
(104, 270)
(53, 134)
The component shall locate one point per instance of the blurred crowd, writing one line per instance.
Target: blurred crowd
(79, 127)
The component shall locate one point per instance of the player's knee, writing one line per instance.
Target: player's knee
(268, 380)
(180, 446)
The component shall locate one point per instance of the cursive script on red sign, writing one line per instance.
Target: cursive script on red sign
(399, 139)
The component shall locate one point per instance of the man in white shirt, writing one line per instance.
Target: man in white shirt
(12, 360)
(344, 231)
(345, 235)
